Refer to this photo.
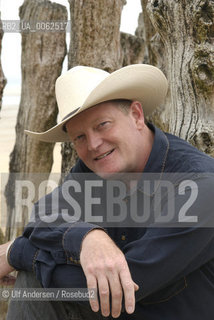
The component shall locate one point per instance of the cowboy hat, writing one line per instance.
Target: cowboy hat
(83, 87)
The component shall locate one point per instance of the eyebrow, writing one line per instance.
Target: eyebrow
(98, 119)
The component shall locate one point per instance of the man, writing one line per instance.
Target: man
(163, 269)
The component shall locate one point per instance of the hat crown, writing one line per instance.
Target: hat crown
(83, 87)
(73, 87)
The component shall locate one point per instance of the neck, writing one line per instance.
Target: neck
(146, 147)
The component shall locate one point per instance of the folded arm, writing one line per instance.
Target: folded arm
(69, 256)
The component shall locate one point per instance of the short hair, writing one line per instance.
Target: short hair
(123, 104)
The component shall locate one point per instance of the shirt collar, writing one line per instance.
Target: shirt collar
(157, 160)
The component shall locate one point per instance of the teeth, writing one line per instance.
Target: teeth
(104, 155)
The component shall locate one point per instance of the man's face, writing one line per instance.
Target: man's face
(107, 139)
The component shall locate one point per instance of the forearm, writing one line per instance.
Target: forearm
(48, 247)
(21, 254)
(25, 256)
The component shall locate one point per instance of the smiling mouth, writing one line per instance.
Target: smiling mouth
(104, 155)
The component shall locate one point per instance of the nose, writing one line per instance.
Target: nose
(94, 141)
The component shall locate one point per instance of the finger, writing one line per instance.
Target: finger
(92, 285)
(8, 280)
(136, 286)
(116, 295)
(104, 296)
(128, 286)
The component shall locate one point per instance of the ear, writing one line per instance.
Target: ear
(136, 110)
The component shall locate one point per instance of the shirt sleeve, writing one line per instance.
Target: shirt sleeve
(49, 271)
(163, 255)
(167, 253)
(45, 245)
(41, 249)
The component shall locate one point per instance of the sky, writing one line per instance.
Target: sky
(11, 44)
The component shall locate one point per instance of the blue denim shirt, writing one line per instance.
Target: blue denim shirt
(173, 265)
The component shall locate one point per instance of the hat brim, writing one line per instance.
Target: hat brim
(141, 82)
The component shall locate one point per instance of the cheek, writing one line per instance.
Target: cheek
(115, 137)
(81, 152)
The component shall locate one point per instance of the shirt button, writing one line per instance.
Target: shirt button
(123, 237)
(77, 261)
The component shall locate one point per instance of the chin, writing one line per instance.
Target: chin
(109, 174)
(106, 175)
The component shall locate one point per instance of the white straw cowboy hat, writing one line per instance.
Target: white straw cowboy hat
(83, 87)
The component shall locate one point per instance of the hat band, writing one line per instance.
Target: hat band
(67, 116)
(70, 114)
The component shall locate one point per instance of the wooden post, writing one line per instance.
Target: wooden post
(2, 77)
(95, 41)
(186, 29)
(43, 53)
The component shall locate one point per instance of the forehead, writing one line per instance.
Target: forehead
(93, 113)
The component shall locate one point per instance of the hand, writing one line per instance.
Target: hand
(5, 268)
(106, 269)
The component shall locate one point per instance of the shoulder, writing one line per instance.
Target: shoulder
(183, 157)
(80, 167)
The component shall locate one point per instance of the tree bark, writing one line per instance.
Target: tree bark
(3, 305)
(2, 85)
(187, 31)
(133, 49)
(145, 31)
(95, 33)
(95, 41)
(42, 57)
(2, 77)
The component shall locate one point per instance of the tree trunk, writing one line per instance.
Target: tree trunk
(186, 29)
(2, 77)
(146, 31)
(95, 33)
(42, 57)
(3, 304)
(95, 41)
(133, 49)
(2, 85)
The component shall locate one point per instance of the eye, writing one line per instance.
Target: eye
(103, 124)
(79, 138)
